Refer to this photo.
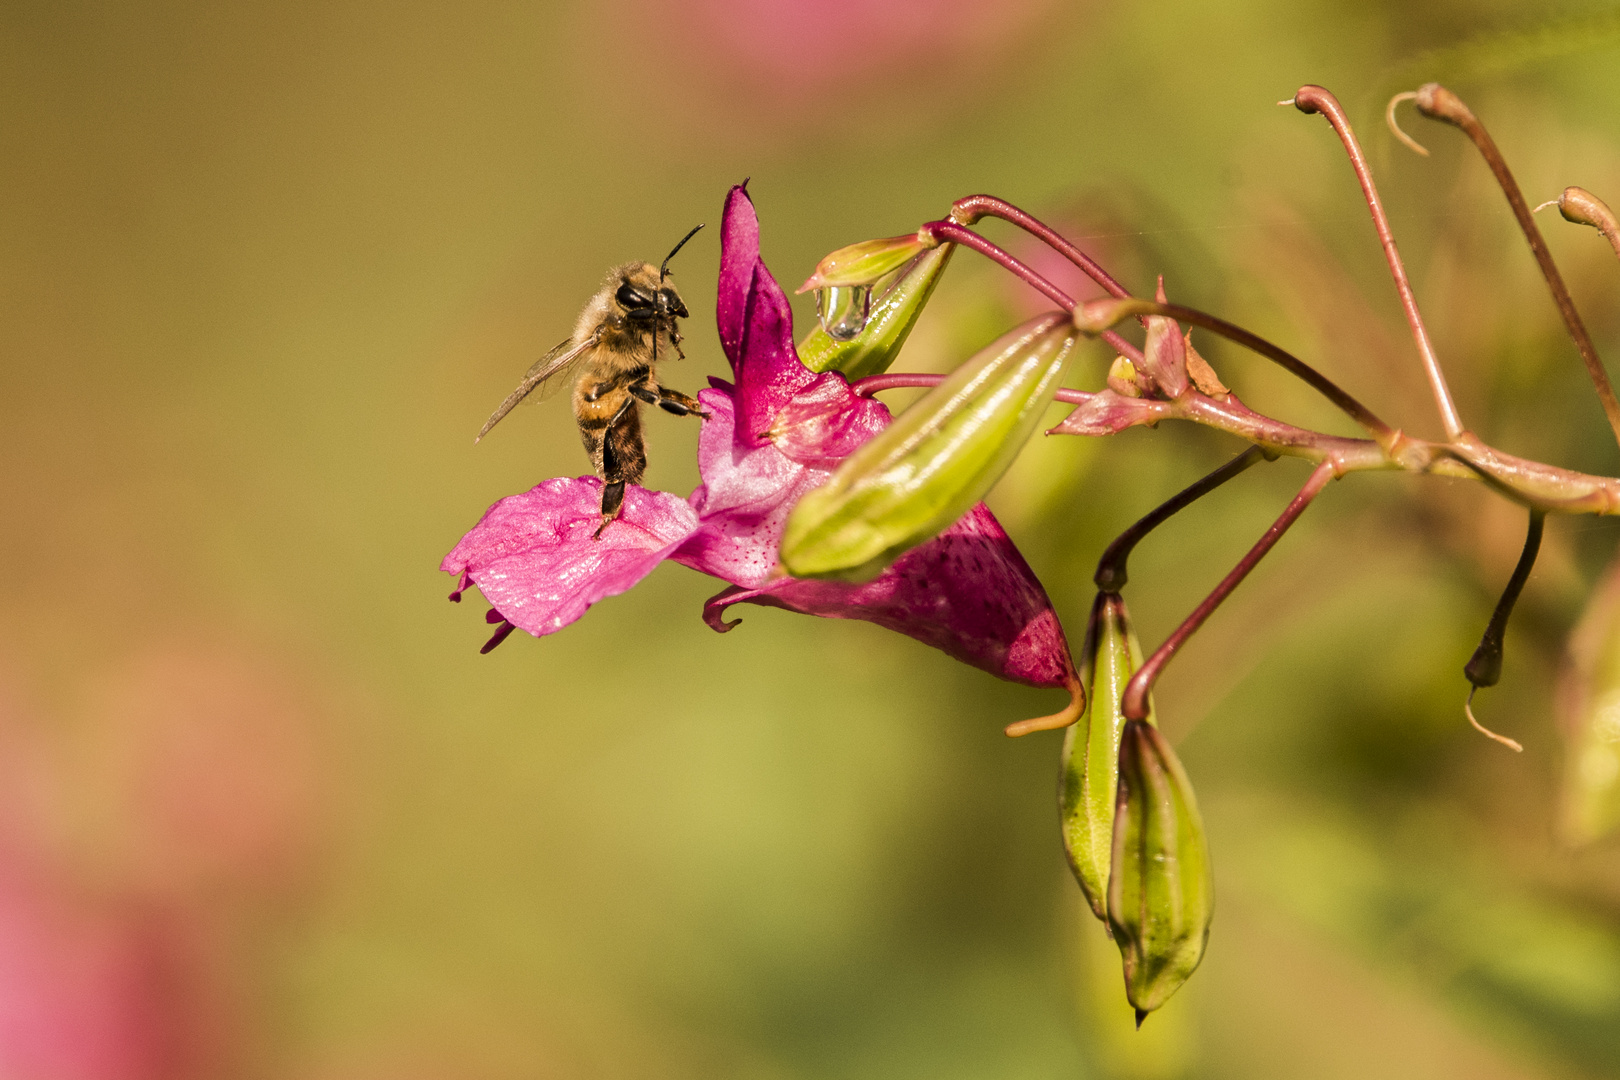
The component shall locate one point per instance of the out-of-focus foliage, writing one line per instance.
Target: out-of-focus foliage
(265, 268)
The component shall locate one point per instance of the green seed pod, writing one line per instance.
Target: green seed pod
(1160, 890)
(928, 468)
(860, 333)
(1090, 775)
(1590, 706)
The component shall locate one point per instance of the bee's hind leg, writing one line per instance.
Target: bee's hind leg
(624, 459)
(612, 503)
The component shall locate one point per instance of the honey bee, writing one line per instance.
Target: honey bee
(612, 357)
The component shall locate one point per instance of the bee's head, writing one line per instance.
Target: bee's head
(648, 296)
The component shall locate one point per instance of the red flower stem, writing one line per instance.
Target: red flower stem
(876, 384)
(873, 384)
(969, 210)
(1111, 576)
(1314, 99)
(1438, 103)
(950, 232)
(1135, 702)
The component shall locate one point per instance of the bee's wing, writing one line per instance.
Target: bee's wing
(549, 374)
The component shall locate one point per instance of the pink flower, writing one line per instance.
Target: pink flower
(777, 431)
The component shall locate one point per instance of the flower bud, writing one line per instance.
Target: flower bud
(1122, 378)
(1091, 748)
(1590, 706)
(871, 323)
(1164, 354)
(867, 262)
(1160, 890)
(938, 458)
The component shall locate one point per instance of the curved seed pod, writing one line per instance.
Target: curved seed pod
(1160, 890)
(1089, 783)
(937, 459)
(888, 318)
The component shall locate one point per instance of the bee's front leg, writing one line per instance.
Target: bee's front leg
(673, 401)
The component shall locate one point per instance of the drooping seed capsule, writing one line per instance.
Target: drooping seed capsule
(935, 461)
(1589, 704)
(1160, 889)
(1089, 782)
(892, 310)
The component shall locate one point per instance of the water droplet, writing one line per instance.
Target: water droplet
(843, 310)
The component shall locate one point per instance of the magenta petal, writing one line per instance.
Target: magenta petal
(533, 556)
(825, 422)
(756, 325)
(745, 498)
(968, 593)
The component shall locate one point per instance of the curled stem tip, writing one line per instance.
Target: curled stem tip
(1468, 711)
(1539, 207)
(1395, 127)
(1060, 719)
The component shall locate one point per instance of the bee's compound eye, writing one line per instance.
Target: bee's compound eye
(672, 303)
(630, 297)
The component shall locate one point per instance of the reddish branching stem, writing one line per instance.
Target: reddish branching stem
(1111, 575)
(1254, 342)
(947, 231)
(1314, 99)
(969, 210)
(1135, 703)
(1438, 103)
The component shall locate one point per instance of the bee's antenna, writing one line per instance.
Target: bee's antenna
(664, 269)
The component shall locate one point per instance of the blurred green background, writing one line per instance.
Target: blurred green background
(266, 812)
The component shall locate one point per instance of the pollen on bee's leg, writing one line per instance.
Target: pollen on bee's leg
(502, 632)
(461, 587)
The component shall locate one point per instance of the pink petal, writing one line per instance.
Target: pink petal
(968, 593)
(755, 323)
(533, 556)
